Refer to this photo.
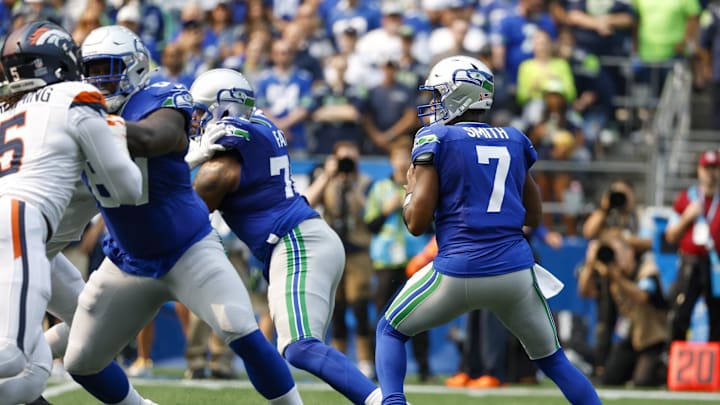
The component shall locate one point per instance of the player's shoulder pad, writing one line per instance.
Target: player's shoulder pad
(76, 94)
(258, 117)
(238, 132)
(161, 95)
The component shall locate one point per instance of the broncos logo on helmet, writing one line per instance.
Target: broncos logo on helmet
(38, 54)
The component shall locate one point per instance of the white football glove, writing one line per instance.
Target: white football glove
(119, 132)
(200, 151)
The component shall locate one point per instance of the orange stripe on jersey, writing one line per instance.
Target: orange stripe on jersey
(16, 238)
(89, 97)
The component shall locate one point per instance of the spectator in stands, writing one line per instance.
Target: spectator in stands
(392, 245)
(595, 90)
(199, 42)
(390, 110)
(337, 117)
(710, 57)
(221, 24)
(342, 189)
(295, 35)
(637, 293)
(89, 20)
(172, 68)
(319, 43)
(677, 39)
(544, 66)
(362, 16)
(152, 26)
(411, 70)
(511, 37)
(557, 135)
(376, 44)
(696, 229)
(252, 58)
(604, 29)
(284, 92)
(618, 218)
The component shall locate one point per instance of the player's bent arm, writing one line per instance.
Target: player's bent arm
(216, 178)
(159, 133)
(123, 179)
(532, 201)
(424, 192)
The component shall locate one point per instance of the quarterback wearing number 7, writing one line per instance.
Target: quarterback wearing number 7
(473, 181)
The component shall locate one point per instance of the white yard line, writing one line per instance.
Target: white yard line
(419, 389)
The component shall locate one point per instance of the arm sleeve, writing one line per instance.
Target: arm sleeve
(123, 177)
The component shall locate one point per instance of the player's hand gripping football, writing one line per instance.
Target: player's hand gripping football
(205, 148)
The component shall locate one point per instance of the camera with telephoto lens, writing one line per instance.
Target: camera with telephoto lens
(346, 165)
(605, 254)
(618, 200)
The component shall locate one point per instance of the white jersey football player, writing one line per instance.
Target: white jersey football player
(50, 125)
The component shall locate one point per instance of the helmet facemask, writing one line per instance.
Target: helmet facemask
(233, 102)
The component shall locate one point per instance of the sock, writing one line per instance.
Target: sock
(390, 362)
(291, 397)
(574, 385)
(375, 397)
(332, 367)
(110, 385)
(265, 367)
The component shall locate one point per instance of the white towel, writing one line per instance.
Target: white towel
(549, 285)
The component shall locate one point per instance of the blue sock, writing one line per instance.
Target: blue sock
(390, 362)
(331, 366)
(110, 385)
(573, 384)
(266, 369)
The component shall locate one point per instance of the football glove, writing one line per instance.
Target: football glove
(200, 151)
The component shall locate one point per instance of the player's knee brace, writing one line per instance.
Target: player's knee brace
(12, 359)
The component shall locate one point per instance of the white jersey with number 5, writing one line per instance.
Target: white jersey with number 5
(45, 139)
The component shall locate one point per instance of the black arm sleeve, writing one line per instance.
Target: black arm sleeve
(424, 159)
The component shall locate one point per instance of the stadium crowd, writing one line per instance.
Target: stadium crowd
(340, 78)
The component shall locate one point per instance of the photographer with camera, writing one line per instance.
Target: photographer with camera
(616, 218)
(637, 293)
(342, 191)
(618, 214)
(696, 229)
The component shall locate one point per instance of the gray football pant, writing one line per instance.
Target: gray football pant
(431, 299)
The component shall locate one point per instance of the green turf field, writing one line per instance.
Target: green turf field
(180, 392)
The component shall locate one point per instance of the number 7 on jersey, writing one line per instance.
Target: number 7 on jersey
(484, 154)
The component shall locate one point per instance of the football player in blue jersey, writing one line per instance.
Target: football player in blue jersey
(251, 184)
(163, 247)
(473, 180)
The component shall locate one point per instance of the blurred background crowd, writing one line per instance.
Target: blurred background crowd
(618, 96)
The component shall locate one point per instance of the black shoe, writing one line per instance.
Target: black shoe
(196, 374)
(39, 401)
(223, 375)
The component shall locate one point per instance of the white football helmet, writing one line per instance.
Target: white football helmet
(218, 93)
(459, 83)
(129, 63)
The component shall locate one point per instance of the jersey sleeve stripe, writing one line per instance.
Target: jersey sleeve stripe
(99, 107)
(90, 97)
